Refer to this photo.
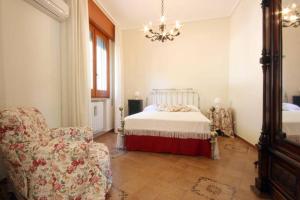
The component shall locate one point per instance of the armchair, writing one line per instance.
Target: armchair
(45, 163)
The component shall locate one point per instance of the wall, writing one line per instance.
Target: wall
(196, 59)
(30, 46)
(291, 60)
(245, 73)
(2, 98)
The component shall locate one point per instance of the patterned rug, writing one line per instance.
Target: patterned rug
(237, 148)
(116, 194)
(212, 190)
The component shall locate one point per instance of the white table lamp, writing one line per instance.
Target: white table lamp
(217, 102)
(137, 94)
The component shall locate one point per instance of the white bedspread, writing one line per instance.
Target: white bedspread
(192, 125)
(291, 122)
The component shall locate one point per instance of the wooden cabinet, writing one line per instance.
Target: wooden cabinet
(279, 158)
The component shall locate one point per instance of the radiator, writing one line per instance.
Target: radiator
(97, 112)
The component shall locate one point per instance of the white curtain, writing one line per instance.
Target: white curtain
(75, 94)
(119, 77)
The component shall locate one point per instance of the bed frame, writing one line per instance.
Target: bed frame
(186, 96)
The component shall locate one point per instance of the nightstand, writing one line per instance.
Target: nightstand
(135, 106)
(221, 120)
(296, 100)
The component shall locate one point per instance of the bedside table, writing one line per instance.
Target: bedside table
(135, 106)
(221, 120)
(296, 100)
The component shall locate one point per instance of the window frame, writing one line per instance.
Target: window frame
(95, 93)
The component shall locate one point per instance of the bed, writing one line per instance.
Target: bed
(171, 123)
(291, 121)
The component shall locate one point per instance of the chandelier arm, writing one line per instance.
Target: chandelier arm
(287, 22)
(162, 8)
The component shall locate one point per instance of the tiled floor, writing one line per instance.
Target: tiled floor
(150, 176)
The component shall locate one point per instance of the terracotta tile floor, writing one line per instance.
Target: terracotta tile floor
(140, 175)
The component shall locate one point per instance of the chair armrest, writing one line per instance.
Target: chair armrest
(72, 133)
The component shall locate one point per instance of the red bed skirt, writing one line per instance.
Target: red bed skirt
(192, 147)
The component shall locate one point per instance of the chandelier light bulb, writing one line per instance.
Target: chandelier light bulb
(294, 5)
(162, 19)
(146, 29)
(150, 24)
(286, 11)
(171, 31)
(293, 18)
(177, 24)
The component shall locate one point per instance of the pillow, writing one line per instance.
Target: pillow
(162, 107)
(290, 107)
(151, 108)
(193, 108)
(177, 108)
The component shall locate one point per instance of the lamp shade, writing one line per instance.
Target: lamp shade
(217, 101)
(137, 94)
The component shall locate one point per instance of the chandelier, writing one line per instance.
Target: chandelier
(162, 34)
(291, 16)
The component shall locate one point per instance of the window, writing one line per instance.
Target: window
(99, 63)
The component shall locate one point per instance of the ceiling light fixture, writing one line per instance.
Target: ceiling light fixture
(291, 16)
(162, 35)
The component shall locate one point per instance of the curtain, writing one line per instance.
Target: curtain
(75, 93)
(119, 77)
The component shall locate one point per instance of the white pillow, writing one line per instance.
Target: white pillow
(177, 108)
(290, 107)
(151, 108)
(193, 108)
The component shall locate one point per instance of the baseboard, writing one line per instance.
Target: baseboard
(250, 144)
(102, 133)
(111, 130)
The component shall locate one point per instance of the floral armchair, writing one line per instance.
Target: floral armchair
(45, 163)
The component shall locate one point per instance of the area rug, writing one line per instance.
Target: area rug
(236, 148)
(212, 190)
(116, 194)
(115, 153)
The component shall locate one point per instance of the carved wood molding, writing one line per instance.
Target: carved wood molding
(265, 60)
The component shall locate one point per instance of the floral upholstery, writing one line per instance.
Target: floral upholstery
(45, 163)
(221, 119)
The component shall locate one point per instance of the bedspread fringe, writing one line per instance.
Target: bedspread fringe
(169, 134)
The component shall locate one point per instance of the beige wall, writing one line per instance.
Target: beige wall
(245, 73)
(30, 46)
(2, 98)
(196, 59)
(291, 62)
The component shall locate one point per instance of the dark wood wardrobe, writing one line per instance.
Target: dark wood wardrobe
(279, 147)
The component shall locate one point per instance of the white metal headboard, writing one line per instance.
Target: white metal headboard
(174, 97)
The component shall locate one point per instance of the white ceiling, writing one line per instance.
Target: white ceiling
(135, 13)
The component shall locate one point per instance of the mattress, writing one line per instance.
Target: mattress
(185, 125)
(291, 122)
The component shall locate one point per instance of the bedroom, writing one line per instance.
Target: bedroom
(178, 118)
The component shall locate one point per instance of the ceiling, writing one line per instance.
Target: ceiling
(134, 13)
